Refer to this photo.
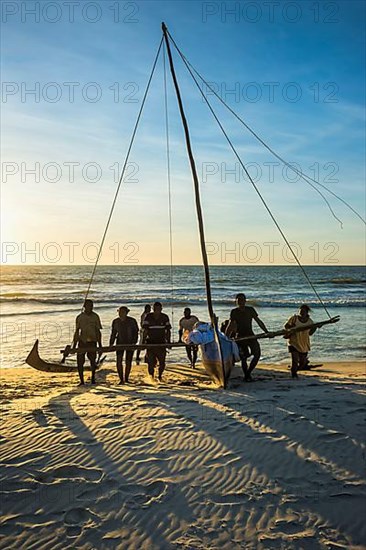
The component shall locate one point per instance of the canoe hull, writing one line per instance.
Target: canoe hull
(218, 363)
(35, 361)
(218, 372)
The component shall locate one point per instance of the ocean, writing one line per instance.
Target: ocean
(43, 301)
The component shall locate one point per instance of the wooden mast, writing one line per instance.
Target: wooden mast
(197, 199)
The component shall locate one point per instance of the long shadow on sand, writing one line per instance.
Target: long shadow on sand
(322, 466)
(264, 455)
(128, 502)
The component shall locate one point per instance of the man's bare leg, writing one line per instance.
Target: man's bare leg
(93, 365)
(80, 362)
(119, 364)
(295, 363)
(129, 357)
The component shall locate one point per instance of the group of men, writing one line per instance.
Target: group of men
(155, 330)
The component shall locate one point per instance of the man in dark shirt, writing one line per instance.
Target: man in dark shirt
(156, 331)
(124, 331)
(240, 325)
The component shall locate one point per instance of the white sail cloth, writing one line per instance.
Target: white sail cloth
(204, 336)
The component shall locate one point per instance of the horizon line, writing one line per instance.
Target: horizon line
(91, 265)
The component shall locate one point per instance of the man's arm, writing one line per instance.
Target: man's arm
(180, 331)
(261, 324)
(76, 337)
(312, 330)
(99, 337)
(168, 329)
(145, 331)
(135, 332)
(231, 328)
(290, 324)
(76, 333)
(113, 334)
(98, 331)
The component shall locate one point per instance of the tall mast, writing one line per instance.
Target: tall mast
(197, 197)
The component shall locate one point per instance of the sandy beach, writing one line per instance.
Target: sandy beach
(277, 463)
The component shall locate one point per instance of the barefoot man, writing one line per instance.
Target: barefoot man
(125, 330)
(299, 342)
(157, 330)
(186, 324)
(87, 335)
(240, 326)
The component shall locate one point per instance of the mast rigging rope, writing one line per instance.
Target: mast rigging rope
(169, 181)
(308, 179)
(123, 171)
(259, 193)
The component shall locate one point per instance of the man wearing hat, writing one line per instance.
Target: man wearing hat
(125, 330)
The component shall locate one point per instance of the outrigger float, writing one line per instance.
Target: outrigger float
(218, 369)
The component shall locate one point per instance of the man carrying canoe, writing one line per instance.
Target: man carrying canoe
(299, 342)
(157, 330)
(87, 335)
(186, 325)
(125, 331)
(240, 326)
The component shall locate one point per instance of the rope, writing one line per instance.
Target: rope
(123, 172)
(258, 192)
(169, 181)
(308, 179)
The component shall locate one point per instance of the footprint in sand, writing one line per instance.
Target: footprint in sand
(148, 494)
(98, 490)
(73, 531)
(130, 488)
(11, 488)
(292, 526)
(69, 471)
(80, 516)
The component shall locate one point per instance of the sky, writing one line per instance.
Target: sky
(73, 78)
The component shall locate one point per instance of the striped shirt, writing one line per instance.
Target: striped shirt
(156, 328)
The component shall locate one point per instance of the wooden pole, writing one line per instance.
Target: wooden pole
(197, 199)
(119, 347)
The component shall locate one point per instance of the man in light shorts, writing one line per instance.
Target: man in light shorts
(186, 324)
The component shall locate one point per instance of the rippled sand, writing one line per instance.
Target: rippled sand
(277, 463)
